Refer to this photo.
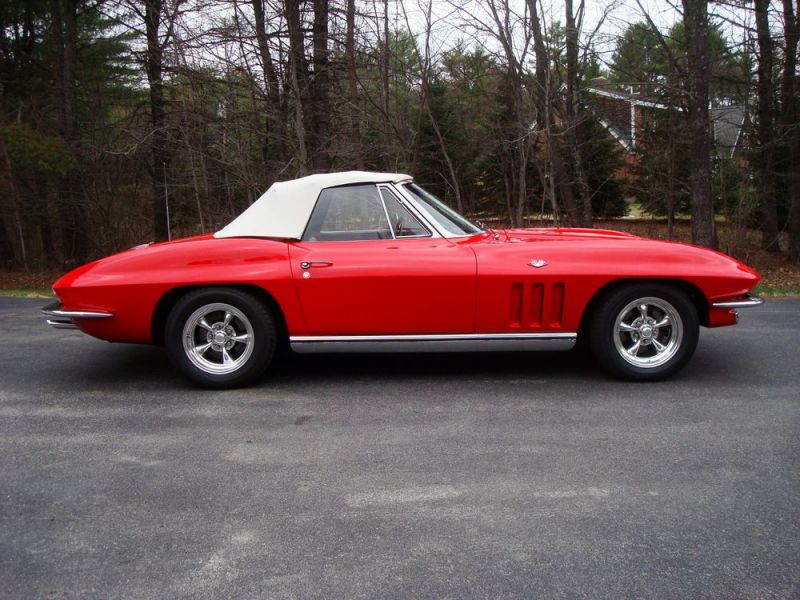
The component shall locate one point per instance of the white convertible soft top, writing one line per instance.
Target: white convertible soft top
(284, 209)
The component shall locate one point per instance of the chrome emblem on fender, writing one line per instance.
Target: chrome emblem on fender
(538, 263)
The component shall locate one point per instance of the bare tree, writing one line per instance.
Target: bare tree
(159, 20)
(426, 64)
(695, 19)
(574, 111)
(298, 82)
(72, 207)
(241, 93)
(274, 115)
(513, 34)
(789, 121)
(320, 89)
(766, 133)
(547, 104)
(356, 147)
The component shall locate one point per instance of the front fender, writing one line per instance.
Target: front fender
(577, 268)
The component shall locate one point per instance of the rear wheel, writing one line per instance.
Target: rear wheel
(220, 337)
(644, 332)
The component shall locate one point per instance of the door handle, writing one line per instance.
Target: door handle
(307, 264)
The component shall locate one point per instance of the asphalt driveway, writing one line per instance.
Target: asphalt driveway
(527, 475)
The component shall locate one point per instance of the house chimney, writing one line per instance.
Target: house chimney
(599, 83)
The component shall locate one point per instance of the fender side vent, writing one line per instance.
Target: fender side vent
(515, 305)
(537, 304)
(557, 305)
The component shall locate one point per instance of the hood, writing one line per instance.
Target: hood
(611, 253)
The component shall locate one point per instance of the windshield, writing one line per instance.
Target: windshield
(440, 213)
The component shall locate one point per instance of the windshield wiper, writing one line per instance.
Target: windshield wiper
(485, 227)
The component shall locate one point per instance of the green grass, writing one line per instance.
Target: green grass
(777, 291)
(27, 293)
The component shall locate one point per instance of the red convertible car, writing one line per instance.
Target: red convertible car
(365, 262)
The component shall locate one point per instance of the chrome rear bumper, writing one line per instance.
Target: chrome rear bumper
(746, 301)
(63, 319)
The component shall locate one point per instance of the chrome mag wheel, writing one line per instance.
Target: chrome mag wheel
(218, 338)
(648, 332)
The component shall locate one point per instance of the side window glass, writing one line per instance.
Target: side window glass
(401, 220)
(348, 213)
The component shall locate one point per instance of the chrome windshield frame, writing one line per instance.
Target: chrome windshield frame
(400, 188)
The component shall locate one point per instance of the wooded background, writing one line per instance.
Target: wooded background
(124, 121)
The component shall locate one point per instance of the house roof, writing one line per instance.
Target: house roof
(635, 99)
(615, 111)
(728, 122)
(621, 113)
(284, 209)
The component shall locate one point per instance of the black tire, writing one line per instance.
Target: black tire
(243, 349)
(661, 351)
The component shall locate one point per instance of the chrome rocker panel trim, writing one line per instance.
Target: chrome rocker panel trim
(748, 301)
(468, 342)
(63, 319)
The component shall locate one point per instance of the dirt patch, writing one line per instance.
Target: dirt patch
(33, 280)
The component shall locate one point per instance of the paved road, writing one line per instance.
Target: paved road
(488, 476)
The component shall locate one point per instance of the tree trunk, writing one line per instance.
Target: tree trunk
(387, 135)
(766, 134)
(159, 155)
(561, 179)
(545, 119)
(43, 215)
(298, 77)
(270, 77)
(522, 184)
(356, 147)
(695, 18)
(195, 185)
(540, 53)
(789, 119)
(320, 91)
(541, 97)
(521, 132)
(671, 188)
(509, 203)
(72, 206)
(274, 117)
(425, 67)
(15, 203)
(574, 115)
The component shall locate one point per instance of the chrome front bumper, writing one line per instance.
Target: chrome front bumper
(746, 301)
(63, 319)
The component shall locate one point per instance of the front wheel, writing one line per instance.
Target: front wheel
(644, 332)
(220, 337)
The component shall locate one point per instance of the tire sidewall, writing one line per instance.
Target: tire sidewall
(264, 337)
(603, 331)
